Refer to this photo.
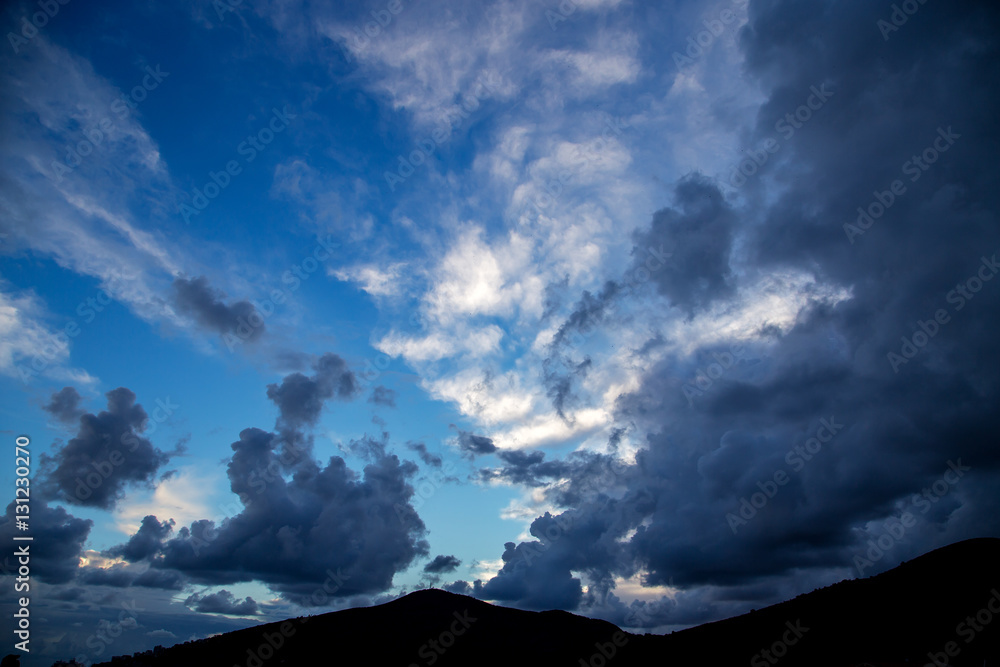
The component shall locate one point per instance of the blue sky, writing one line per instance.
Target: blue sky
(467, 263)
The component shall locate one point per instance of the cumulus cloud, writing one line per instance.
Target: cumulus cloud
(293, 535)
(327, 528)
(107, 455)
(146, 541)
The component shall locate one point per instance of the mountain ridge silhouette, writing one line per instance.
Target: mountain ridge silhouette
(904, 616)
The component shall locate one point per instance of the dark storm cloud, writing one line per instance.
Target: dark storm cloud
(309, 532)
(383, 396)
(222, 602)
(539, 574)
(425, 456)
(197, 299)
(116, 576)
(324, 526)
(58, 540)
(300, 399)
(69, 594)
(65, 405)
(145, 542)
(857, 437)
(475, 445)
(699, 230)
(106, 455)
(442, 564)
(162, 579)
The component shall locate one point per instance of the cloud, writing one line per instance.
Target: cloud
(292, 535)
(223, 602)
(115, 576)
(162, 579)
(383, 396)
(473, 444)
(65, 405)
(588, 313)
(181, 494)
(326, 529)
(699, 232)
(425, 456)
(460, 587)
(28, 347)
(377, 281)
(474, 278)
(442, 564)
(68, 199)
(300, 399)
(146, 541)
(107, 455)
(662, 517)
(58, 539)
(439, 345)
(546, 584)
(196, 298)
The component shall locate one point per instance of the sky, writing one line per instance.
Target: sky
(653, 312)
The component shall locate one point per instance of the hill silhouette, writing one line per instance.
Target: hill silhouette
(910, 615)
(898, 617)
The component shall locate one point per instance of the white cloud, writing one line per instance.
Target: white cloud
(772, 300)
(438, 345)
(489, 399)
(80, 218)
(549, 428)
(474, 278)
(376, 280)
(28, 348)
(593, 70)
